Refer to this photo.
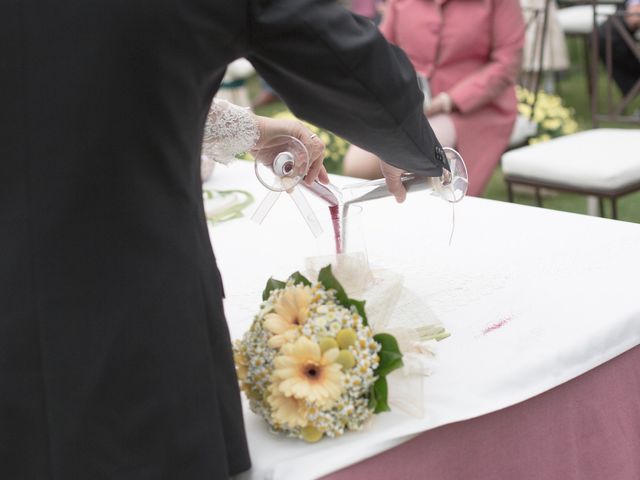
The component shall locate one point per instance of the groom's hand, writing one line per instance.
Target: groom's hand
(274, 127)
(393, 177)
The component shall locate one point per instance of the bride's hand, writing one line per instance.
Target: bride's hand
(273, 127)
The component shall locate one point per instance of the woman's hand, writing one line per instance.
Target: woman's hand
(273, 127)
(441, 103)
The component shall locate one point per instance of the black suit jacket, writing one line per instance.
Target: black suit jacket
(115, 359)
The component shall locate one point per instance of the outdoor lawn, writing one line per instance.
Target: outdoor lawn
(572, 87)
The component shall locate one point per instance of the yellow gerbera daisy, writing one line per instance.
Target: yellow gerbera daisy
(302, 371)
(242, 365)
(289, 312)
(287, 411)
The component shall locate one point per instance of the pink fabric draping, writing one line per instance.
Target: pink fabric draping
(472, 50)
(585, 429)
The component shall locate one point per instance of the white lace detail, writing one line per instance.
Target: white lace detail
(230, 130)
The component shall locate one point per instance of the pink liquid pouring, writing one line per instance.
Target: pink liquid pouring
(336, 220)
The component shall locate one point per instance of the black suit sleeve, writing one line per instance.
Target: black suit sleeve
(334, 69)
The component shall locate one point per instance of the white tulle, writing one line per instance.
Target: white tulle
(230, 130)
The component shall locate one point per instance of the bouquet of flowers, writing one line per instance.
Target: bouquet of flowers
(552, 117)
(310, 364)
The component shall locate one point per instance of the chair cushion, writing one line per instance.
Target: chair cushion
(578, 20)
(603, 159)
(240, 69)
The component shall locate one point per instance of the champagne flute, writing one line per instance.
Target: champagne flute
(451, 186)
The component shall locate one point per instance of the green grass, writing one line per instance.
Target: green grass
(572, 87)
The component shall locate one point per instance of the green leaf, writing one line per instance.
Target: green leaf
(359, 305)
(297, 278)
(380, 393)
(387, 342)
(272, 284)
(390, 355)
(389, 362)
(326, 278)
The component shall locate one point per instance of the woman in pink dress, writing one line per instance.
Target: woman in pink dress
(468, 53)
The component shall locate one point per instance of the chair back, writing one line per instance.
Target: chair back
(536, 15)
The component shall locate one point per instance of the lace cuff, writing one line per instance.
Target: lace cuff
(230, 130)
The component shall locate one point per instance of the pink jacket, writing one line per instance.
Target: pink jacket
(470, 49)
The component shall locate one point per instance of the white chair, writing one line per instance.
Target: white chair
(536, 54)
(603, 162)
(578, 19)
(543, 32)
(234, 84)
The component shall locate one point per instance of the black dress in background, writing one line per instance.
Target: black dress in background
(625, 66)
(115, 359)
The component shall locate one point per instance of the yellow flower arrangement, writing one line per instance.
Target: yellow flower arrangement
(552, 117)
(303, 372)
(310, 365)
(290, 311)
(289, 412)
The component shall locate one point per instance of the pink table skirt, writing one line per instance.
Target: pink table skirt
(586, 429)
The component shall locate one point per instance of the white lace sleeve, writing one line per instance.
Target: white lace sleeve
(230, 130)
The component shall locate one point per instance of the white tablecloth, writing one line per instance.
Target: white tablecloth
(564, 287)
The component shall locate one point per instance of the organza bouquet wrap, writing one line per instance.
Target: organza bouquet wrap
(310, 364)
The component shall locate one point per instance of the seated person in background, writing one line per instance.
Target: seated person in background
(469, 54)
(626, 66)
